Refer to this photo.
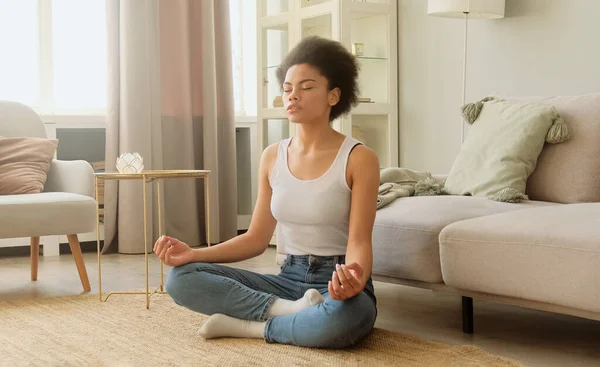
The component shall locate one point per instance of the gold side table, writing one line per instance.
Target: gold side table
(149, 176)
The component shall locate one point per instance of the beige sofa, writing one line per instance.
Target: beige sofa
(543, 253)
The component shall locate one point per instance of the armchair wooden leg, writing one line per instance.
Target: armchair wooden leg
(76, 251)
(35, 256)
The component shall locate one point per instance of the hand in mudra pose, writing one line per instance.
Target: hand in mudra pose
(346, 282)
(173, 252)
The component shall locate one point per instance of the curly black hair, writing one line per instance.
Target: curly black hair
(334, 62)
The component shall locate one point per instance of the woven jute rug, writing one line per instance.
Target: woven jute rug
(82, 331)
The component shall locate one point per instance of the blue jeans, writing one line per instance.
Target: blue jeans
(211, 288)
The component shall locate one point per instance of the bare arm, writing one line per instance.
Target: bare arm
(256, 240)
(363, 169)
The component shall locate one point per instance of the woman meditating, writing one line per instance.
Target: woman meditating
(320, 189)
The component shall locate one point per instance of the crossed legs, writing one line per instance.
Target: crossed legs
(251, 305)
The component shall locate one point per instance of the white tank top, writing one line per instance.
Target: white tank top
(312, 215)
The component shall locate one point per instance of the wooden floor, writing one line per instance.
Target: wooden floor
(535, 338)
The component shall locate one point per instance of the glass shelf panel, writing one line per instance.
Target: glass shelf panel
(307, 3)
(366, 59)
(275, 42)
(317, 26)
(273, 88)
(369, 40)
(373, 131)
(370, 1)
(273, 7)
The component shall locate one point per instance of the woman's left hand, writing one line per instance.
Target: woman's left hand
(346, 282)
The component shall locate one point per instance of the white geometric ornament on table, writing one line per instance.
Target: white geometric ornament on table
(130, 163)
(466, 9)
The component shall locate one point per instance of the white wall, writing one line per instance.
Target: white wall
(541, 47)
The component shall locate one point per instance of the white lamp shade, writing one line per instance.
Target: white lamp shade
(477, 9)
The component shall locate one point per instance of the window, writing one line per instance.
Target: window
(243, 43)
(54, 55)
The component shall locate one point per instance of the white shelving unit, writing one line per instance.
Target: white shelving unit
(281, 24)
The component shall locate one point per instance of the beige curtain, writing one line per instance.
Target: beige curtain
(171, 100)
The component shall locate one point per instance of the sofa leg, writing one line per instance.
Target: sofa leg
(467, 315)
(78, 256)
(35, 256)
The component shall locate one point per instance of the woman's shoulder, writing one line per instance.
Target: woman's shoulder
(362, 156)
(269, 156)
(271, 150)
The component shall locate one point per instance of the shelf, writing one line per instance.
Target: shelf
(275, 22)
(274, 48)
(368, 59)
(366, 9)
(274, 7)
(306, 4)
(314, 11)
(311, 3)
(370, 22)
(317, 26)
(373, 33)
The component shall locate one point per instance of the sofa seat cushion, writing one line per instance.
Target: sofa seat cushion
(548, 255)
(405, 234)
(47, 213)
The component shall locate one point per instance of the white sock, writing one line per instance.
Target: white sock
(219, 325)
(286, 307)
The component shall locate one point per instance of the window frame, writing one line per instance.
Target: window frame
(243, 116)
(45, 106)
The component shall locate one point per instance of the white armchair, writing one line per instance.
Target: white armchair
(66, 206)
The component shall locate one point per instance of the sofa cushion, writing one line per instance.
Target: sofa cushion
(501, 150)
(405, 235)
(570, 172)
(547, 254)
(24, 164)
(47, 213)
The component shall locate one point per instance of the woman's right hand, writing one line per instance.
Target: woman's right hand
(173, 252)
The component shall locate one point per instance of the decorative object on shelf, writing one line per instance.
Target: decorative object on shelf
(130, 163)
(278, 102)
(358, 49)
(466, 9)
